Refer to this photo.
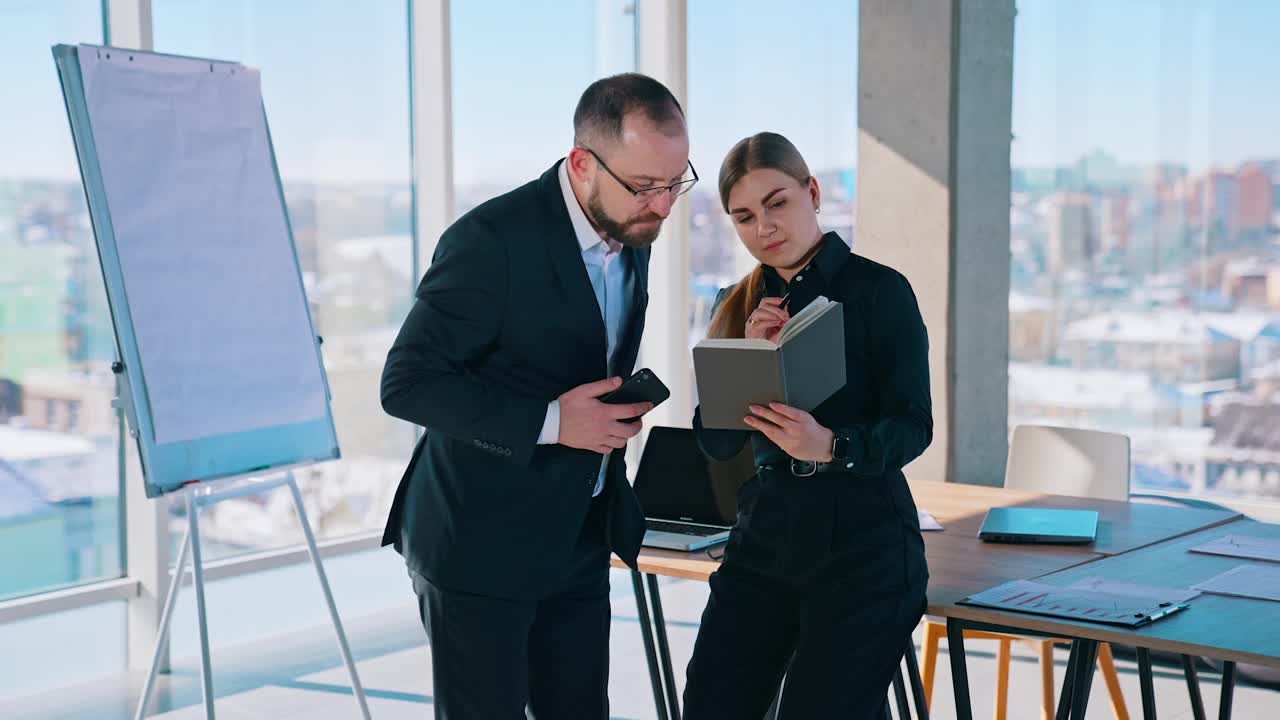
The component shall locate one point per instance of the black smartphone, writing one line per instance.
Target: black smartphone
(642, 386)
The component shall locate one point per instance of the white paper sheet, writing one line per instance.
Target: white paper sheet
(210, 275)
(927, 521)
(1242, 546)
(1150, 592)
(1250, 581)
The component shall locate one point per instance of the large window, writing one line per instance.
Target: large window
(59, 482)
(1145, 253)
(518, 71)
(335, 82)
(753, 68)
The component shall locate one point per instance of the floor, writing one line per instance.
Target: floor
(301, 676)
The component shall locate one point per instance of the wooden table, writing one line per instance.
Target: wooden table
(1122, 526)
(1218, 626)
(1230, 629)
(959, 565)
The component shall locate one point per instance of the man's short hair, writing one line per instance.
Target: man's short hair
(606, 102)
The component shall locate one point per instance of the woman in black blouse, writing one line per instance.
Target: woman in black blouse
(824, 573)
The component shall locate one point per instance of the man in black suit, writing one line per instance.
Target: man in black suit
(531, 310)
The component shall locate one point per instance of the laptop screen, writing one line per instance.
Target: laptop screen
(675, 481)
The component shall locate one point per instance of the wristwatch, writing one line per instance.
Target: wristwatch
(841, 450)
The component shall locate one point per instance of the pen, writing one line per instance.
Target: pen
(1167, 609)
(783, 303)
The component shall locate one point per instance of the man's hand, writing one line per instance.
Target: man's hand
(588, 424)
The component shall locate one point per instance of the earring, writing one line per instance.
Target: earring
(817, 211)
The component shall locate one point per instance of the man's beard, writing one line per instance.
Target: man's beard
(624, 232)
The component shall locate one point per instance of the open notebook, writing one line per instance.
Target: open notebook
(802, 369)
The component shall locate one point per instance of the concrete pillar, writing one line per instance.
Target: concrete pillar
(934, 104)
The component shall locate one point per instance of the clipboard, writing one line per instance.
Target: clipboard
(1078, 603)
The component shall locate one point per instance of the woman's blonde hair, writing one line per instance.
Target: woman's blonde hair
(764, 150)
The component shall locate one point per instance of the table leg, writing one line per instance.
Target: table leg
(664, 646)
(917, 686)
(1068, 683)
(900, 695)
(1228, 690)
(1148, 686)
(1193, 687)
(959, 668)
(646, 630)
(1084, 678)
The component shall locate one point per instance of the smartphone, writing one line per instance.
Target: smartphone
(642, 386)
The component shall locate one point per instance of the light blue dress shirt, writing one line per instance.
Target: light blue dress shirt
(612, 282)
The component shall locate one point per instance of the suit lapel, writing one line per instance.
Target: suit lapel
(566, 257)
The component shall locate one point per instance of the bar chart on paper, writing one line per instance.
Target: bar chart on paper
(1120, 606)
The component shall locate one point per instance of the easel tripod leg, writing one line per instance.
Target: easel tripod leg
(197, 573)
(356, 687)
(166, 616)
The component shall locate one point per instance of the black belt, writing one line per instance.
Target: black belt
(804, 468)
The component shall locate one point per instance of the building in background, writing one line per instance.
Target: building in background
(1033, 328)
(1255, 201)
(1172, 346)
(1072, 240)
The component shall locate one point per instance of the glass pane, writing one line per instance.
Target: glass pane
(1145, 273)
(57, 650)
(335, 82)
(274, 603)
(514, 89)
(803, 86)
(59, 477)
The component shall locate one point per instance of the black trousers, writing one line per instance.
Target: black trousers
(494, 657)
(823, 580)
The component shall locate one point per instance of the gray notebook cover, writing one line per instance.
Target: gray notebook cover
(803, 372)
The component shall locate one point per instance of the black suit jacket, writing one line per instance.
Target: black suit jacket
(505, 321)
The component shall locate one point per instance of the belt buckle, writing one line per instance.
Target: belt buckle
(803, 468)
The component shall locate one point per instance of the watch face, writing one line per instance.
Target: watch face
(840, 448)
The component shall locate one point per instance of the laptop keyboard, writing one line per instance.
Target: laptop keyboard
(682, 528)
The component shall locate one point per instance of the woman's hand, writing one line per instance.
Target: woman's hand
(795, 431)
(767, 319)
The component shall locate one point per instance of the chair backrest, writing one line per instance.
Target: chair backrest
(1069, 461)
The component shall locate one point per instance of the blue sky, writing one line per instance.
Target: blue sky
(34, 139)
(1146, 80)
(1189, 81)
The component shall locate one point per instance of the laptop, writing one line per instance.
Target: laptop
(689, 501)
(1039, 525)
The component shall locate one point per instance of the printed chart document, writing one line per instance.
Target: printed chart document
(1242, 546)
(1151, 592)
(1083, 603)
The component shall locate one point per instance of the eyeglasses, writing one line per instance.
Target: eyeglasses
(645, 196)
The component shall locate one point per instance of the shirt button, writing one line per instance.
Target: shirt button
(799, 278)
